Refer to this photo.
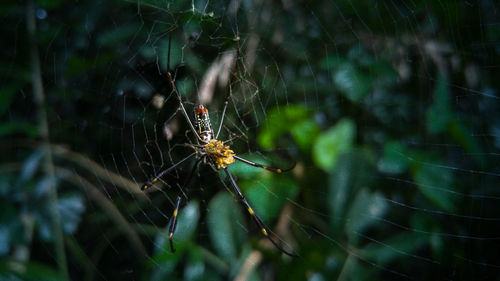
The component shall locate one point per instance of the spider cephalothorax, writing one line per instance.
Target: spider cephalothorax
(219, 153)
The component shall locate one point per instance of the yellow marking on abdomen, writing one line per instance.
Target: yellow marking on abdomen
(175, 212)
(170, 235)
(250, 211)
(264, 231)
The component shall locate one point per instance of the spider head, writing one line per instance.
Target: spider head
(200, 109)
(202, 123)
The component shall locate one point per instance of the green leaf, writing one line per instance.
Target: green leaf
(329, 63)
(195, 266)
(30, 166)
(164, 261)
(117, 35)
(386, 76)
(186, 226)
(15, 72)
(7, 93)
(441, 118)
(12, 269)
(345, 181)
(365, 210)
(79, 64)
(269, 194)
(71, 208)
(435, 241)
(9, 227)
(465, 138)
(225, 219)
(10, 128)
(330, 144)
(305, 133)
(360, 55)
(351, 82)
(396, 247)
(434, 183)
(394, 160)
(280, 121)
(164, 266)
(439, 114)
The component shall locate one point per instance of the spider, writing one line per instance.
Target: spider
(214, 153)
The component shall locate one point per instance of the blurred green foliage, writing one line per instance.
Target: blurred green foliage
(389, 109)
(334, 142)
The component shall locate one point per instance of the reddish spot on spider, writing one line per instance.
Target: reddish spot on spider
(200, 109)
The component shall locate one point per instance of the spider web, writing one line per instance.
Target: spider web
(390, 115)
(380, 226)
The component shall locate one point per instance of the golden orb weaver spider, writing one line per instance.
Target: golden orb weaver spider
(212, 152)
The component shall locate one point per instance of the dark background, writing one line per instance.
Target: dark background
(390, 110)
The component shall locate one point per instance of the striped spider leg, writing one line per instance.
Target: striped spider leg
(254, 215)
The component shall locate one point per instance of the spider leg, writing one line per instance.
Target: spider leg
(230, 90)
(174, 88)
(149, 183)
(233, 138)
(190, 175)
(274, 170)
(254, 215)
(173, 224)
(173, 219)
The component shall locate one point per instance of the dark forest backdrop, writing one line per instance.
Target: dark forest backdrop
(390, 110)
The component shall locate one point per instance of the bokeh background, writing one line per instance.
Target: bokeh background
(390, 110)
